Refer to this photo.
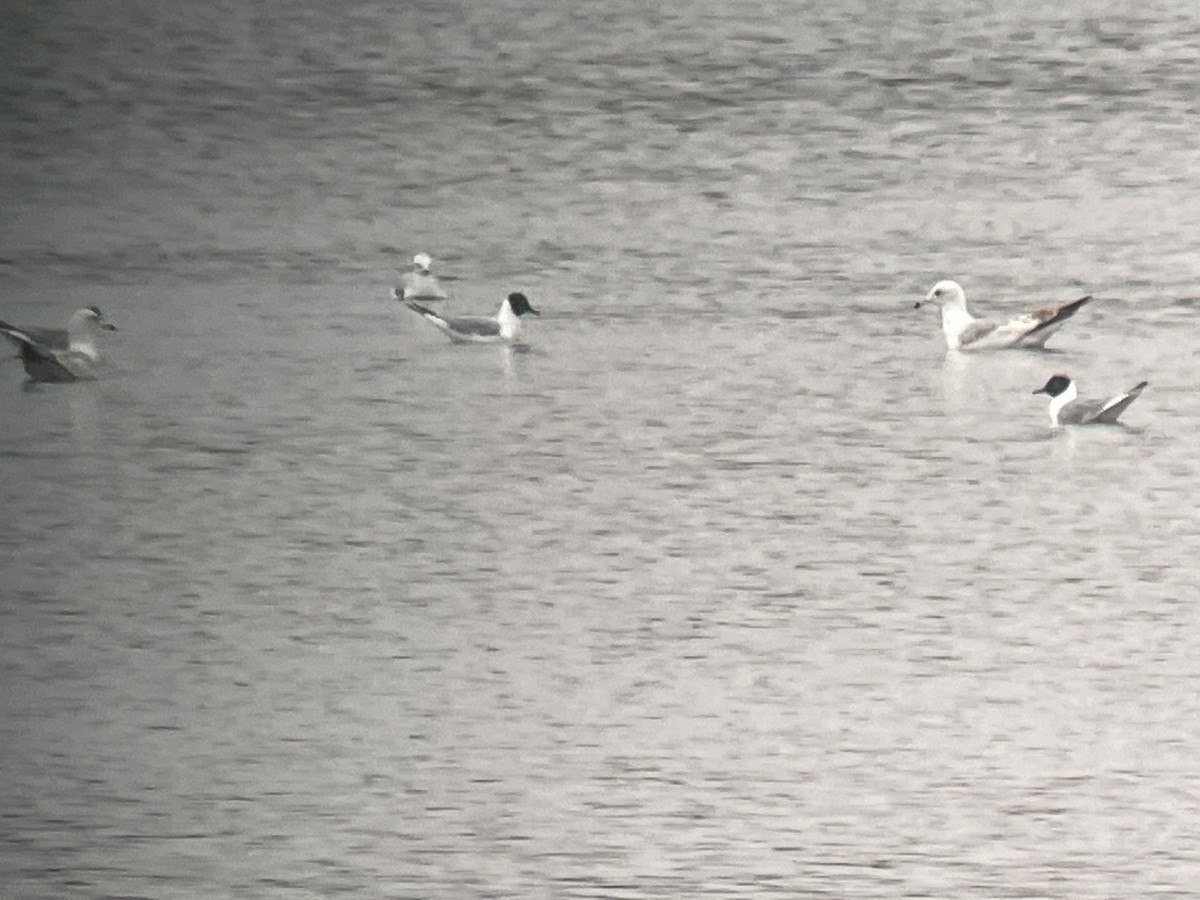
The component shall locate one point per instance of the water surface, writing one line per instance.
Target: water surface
(734, 584)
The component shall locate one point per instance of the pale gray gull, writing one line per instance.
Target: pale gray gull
(47, 359)
(58, 338)
(965, 332)
(419, 282)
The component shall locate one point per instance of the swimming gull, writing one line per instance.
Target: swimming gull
(1067, 409)
(419, 282)
(505, 326)
(965, 332)
(78, 360)
(58, 338)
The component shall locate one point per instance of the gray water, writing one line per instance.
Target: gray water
(734, 583)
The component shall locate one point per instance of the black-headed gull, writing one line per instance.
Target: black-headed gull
(1067, 409)
(965, 332)
(505, 326)
(79, 359)
(419, 282)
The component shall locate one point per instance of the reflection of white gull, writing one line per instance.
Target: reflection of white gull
(77, 360)
(1067, 409)
(419, 282)
(965, 332)
(504, 326)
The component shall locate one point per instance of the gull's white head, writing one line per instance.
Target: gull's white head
(422, 261)
(945, 293)
(88, 321)
(83, 327)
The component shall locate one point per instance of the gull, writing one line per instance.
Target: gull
(965, 332)
(1066, 409)
(45, 360)
(504, 327)
(419, 282)
(58, 338)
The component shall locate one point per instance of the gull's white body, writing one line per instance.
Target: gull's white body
(419, 282)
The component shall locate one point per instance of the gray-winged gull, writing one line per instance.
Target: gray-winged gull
(44, 356)
(419, 282)
(505, 326)
(965, 332)
(1067, 409)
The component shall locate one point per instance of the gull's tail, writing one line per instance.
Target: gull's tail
(1117, 405)
(1052, 318)
(427, 313)
(17, 335)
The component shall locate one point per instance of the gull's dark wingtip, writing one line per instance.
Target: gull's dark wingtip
(1068, 309)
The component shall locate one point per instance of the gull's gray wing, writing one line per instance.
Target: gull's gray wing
(475, 326)
(1080, 412)
(42, 363)
(1100, 412)
(463, 329)
(976, 331)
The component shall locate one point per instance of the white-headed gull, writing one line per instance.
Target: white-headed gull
(46, 361)
(419, 282)
(965, 332)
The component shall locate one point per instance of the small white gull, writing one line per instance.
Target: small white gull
(965, 332)
(1067, 409)
(419, 282)
(504, 327)
(47, 359)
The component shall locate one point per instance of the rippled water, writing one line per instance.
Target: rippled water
(734, 584)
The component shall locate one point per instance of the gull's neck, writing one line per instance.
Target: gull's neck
(955, 320)
(510, 322)
(79, 340)
(1057, 403)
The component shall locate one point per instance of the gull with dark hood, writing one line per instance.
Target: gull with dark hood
(504, 327)
(1067, 409)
